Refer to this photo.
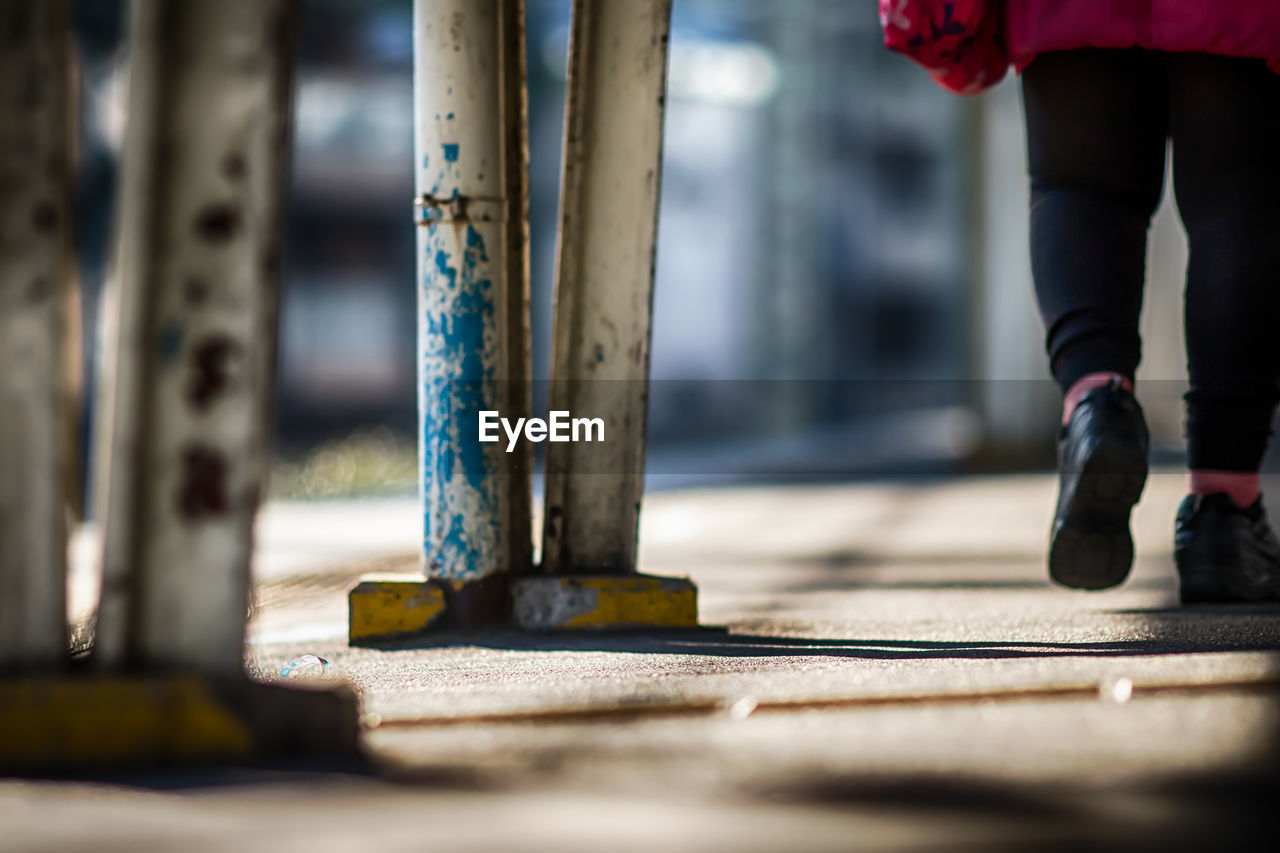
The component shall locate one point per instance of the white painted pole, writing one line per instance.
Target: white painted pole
(193, 327)
(604, 293)
(36, 271)
(471, 314)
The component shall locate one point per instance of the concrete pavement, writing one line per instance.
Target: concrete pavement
(889, 669)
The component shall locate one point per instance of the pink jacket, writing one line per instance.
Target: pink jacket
(1229, 27)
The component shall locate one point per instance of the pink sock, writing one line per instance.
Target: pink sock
(1241, 486)
(1084, 385)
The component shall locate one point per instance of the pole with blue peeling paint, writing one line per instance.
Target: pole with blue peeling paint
(467, 355)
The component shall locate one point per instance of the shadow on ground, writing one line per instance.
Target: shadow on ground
(1169, 632)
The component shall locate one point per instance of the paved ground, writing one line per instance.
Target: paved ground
(889, 669)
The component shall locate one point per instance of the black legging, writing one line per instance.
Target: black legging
(1097, 124)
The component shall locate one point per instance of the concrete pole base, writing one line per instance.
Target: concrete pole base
(387, 609)
(70, 723)
(604, 602)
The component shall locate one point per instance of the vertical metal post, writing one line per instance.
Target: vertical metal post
(36, 269)
(193, 306)
(519, 369)
(604, 292)
(472, 305)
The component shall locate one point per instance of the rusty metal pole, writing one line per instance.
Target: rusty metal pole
(192, 328)
(600, 347)
(604, 292)
(36, 273)
(472, 304)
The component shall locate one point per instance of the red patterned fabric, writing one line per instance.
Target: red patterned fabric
(1249, 28)
(959, 42)
(964, 46)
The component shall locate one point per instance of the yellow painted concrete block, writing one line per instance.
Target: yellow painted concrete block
(88, 721)
(390, 608)
(604, 602)
(59, 722)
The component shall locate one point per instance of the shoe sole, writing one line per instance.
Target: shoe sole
(1093, 547)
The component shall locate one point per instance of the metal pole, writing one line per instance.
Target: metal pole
(472, 307)
(193, 307)
(604, 294)
(36, 270)
(519, 368)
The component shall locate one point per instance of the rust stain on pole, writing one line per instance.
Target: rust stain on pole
(212, 360)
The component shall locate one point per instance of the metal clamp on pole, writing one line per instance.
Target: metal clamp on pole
(469, 158)
(429, 210)
(600, 351)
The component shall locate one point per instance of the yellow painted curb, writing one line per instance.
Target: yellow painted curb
(605, 602)
(72, 722)
(57, 722)
(391, 608)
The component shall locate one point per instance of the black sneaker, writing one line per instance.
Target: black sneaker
(1225, 554)
(1102, 469)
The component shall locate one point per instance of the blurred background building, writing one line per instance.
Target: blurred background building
(843, 284)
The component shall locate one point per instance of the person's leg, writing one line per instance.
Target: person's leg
(1096, 134)
(1225, 122)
